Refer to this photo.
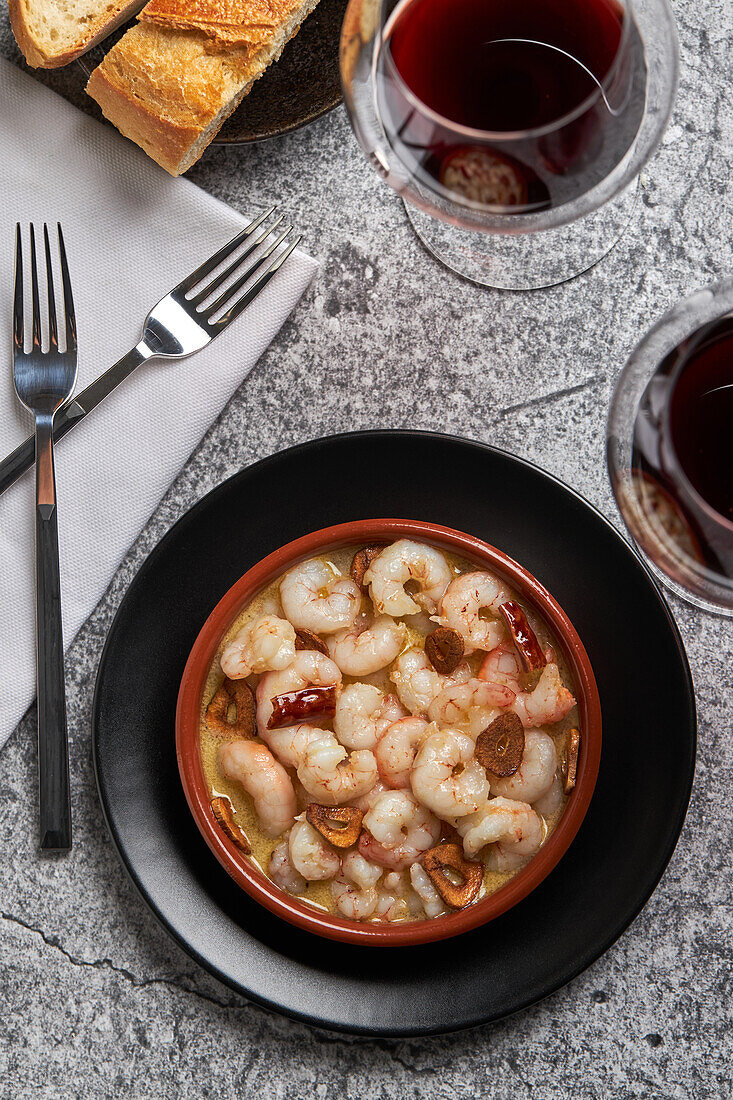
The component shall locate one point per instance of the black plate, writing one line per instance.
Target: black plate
(302, 85)
(634, 819)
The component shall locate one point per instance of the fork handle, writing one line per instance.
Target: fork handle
(23, 457)
(53, 751)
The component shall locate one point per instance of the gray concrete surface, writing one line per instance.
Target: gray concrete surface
(96, 1000)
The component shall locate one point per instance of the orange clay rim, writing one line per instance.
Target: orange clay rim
(254, 881)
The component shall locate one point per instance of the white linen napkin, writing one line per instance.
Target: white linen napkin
(132, 232)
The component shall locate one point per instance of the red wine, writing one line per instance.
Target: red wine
(701, 419)
(682, 446)
(553, 90)
(505, 64)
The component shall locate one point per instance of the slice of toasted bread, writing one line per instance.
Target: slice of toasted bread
(51, 33)
(170, 83)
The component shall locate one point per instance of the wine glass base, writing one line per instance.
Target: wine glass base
(661, 534)
(527, 261)
(725, 611)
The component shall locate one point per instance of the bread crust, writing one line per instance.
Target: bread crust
(170, 90)
(247, 22)
(163, 110)
(39, 56)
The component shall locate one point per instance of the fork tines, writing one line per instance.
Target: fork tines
(18, 301)
(197, 291)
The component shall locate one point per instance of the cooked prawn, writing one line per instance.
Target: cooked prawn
(289, 744)
(354, 891)
(308, 668)
(471, 706)
(362, 648)
(502, 821)
(551, 801)
(310, 855)
(360, 871)
(400, 824)
(445, 776)
(394, 858)
(352, 903)
(364, 801)
(363, 713)
(524, 841)
(548, 702)
(282, 872)
(262, 645)
(417, 683)
(400, 563)
(396, 750)
(502, 666)
(392, 904)
(313, 598)
(332, 776)
(430, 899)
(536, 772)
(464, 600)
(254, 766)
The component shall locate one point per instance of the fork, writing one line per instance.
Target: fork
(44, 380)
(181, 323)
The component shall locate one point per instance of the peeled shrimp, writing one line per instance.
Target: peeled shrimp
(332, 776)
(523, 842)
(352, 903)
(360, 871)
(501, 666)
(445, 776)
(282, 872)
(513, 826)
(364, 801)
(254, 766)
(417, 683)
(430, 899)
(399, 823)
(363, 713)
(308, 668)
(553, 798)
(399, 563)
(394, 858)
(460, 609)
(310, 855)
(325, 769)
(314, 599)
(548, 702)
(392, 904)
(396, 750)
(266, 643)
(289, 744)
(469, 707)
(354, 891)
(535, 774)
(362, 649)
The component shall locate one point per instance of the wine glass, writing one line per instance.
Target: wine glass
(514, 130)
(668, 447)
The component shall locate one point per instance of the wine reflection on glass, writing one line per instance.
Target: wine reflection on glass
(508, 125)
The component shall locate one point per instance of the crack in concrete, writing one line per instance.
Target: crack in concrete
(320, 1036)
(107, 964)
(547, 398)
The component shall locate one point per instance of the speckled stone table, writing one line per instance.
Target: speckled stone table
(96, 1000)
